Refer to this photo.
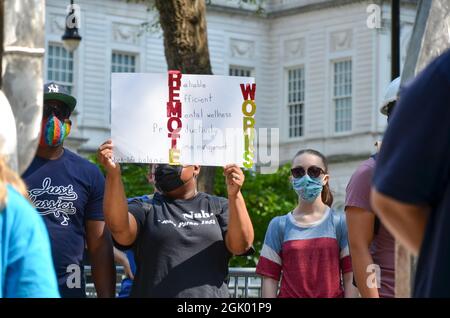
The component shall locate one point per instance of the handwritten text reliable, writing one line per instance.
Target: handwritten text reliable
(174, 123)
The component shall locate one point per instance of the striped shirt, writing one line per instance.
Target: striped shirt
(309, 258)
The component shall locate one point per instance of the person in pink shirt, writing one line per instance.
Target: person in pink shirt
(372, 247)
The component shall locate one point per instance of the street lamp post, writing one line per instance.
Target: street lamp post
(71, 38)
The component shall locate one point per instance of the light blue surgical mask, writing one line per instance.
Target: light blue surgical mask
(307, 188)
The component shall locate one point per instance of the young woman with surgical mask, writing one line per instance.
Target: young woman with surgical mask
(307, 248)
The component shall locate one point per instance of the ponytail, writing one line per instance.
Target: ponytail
(327, 196)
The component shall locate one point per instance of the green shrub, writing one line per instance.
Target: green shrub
(134, 177)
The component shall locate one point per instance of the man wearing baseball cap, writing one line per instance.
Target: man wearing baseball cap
(67, 191)
(372, 247)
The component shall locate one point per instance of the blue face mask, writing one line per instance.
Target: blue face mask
(307, 188)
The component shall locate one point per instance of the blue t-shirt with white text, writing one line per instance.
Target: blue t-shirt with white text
(67, 192)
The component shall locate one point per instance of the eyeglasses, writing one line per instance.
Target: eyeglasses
(62, 112)
(313, 172)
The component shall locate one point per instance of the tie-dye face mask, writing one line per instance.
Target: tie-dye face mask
(54, 131)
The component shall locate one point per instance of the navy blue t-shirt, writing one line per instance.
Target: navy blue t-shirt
(414, 167)
(67, 192)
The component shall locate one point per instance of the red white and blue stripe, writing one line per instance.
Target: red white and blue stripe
(310, 259)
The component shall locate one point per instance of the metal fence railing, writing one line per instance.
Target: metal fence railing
(243, 282)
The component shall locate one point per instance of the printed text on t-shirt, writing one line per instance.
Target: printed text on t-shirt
(63, 206)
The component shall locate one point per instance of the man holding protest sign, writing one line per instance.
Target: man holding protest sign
(184, 239)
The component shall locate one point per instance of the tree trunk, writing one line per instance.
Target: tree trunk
(186, 48)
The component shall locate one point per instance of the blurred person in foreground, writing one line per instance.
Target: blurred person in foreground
(26, 266)
(372, 247)
(411, 186)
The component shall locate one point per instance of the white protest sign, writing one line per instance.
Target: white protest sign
(202, 119)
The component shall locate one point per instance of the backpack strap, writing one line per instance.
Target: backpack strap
(282, 228)
(337, 221)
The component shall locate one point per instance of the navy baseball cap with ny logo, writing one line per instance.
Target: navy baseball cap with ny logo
(54, 91)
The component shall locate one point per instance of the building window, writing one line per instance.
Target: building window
(240, 71)
(60, 66)
(342, 96)
(123, 62)
(296, 101)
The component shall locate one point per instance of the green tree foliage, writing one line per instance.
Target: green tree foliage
(134, 178)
